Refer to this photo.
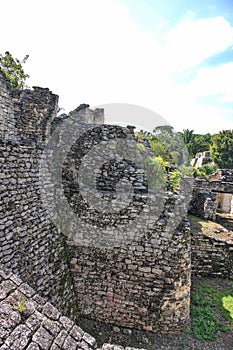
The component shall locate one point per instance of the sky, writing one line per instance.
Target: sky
(172, 57)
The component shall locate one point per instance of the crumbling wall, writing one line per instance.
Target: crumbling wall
(212, 194)
(7, 119)
(211, 256)
(224, 175)
(34, 111)
(203, 204)
(144, 284)
(30, 245)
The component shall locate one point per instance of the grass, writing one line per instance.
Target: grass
(211, 311)
(21, 304)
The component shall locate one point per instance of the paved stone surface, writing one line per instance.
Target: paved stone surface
(24, 325)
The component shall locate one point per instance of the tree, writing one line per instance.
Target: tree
(196, 142)
(222, 149)
(173, 142)
(188, 136)
(156, 146)
(13, 71)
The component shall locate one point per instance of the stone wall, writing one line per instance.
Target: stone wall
(211, 257)
(29, 322)
(224, 202)
(203, 204)
(212, 194)
(224, 175)
(143, 285)
(7, 119)
(30, 244)
(34, 111)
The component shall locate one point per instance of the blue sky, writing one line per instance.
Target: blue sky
(150, 13)
(174, 57)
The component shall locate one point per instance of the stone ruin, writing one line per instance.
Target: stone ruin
(201, 158)
(144, 285)
(213, 194)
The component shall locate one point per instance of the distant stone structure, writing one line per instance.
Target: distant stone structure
(201, 159)
(212, 194)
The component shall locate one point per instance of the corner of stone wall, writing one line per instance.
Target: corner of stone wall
(7, 119)
(203, 204)
(211, 256)
(34, 112)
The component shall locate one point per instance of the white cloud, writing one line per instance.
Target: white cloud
(191, 42)
(214, 81)
(95, 52)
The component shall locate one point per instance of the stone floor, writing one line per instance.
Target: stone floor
(28, 321)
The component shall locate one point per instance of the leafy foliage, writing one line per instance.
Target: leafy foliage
(174, 179)
(173, 143)
(13, 70)
(169, 153)
(205, 170)
(156, 145)
(196, 142)
(222, 149)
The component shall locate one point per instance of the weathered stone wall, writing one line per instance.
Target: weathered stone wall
(218, 186)
(29, 322)
(211, 256)
(7, 119)
(144, 284)
(30, 245)
(224, 175)
(34, 111)
(203, 204)
(208, 194)
(224, 202)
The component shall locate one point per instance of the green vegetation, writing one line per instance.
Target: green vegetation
(219, 145)
(204, 324)
(174, 179)
(211, 311)
(205, 170)
(196, 142)
(222, 149)
(13, 70)
(170, 155)
(174, 151)
(21, 304)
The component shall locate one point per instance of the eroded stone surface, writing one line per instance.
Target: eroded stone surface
(48, 329)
